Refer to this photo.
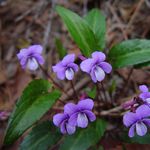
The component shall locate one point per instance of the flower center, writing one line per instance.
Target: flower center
(82, 120)
(69, 73)
(99, 73)
(148, 100)
(32, 64)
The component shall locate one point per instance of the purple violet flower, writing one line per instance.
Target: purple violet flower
(145, 95)
(61, 120)
(66, 68)
(81, 113)
(31, 57)
(96, 66)
(138, 121)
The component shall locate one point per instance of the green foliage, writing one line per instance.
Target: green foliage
(61, 50)
(42, 137)
(96, 21)
(32, 105)
(130, 52)
(80, 31)
(112, 87)
(92, 93)
(136, 139)
(85, 138)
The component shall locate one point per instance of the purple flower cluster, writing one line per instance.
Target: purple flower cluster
(75, 116)
(139, 118)
(96, 66)
(66, 68)
(31, 57)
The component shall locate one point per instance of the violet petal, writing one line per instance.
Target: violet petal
(82, 120)
(131, 131)
(70, 108)
(106, 67)
(87, 65)
(129, 118)
(143, 88)
(58, 118)
(86, 104)
(141, 128)
(99, 56)
(70, 129)
(68, 59)
(91, 116)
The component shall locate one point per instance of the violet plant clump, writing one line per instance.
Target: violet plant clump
(41, 95)
(96, 66)
(31, 57)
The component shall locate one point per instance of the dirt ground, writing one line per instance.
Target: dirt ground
(36, 22)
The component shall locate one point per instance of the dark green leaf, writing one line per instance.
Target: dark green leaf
(84, 138)
(136, 139)
(33, 104)
(79, 30)
(91, 92)
(130, 52)
(42, 137)
(61, 50)
(96, 21)
(146, 64)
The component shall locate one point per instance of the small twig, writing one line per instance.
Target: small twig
(127, 80)
(118, 20)
(111, 111)
(98, 92)
(48, 27)
(104, 92)
(85, 2)
(75, 93)
(52, 80)
(62, 102)
(77, 87)
(135, 14)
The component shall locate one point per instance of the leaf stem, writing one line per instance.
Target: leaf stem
(53, 81)
(75, 93)
(104, 91)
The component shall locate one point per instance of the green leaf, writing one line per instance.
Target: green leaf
(145, 64)
(33, 104)
(91, 92)
(84, 138)
(96, 21)
(136, 139)
(42, 137)
(61, 50)
(79, 30)
(130, 52)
